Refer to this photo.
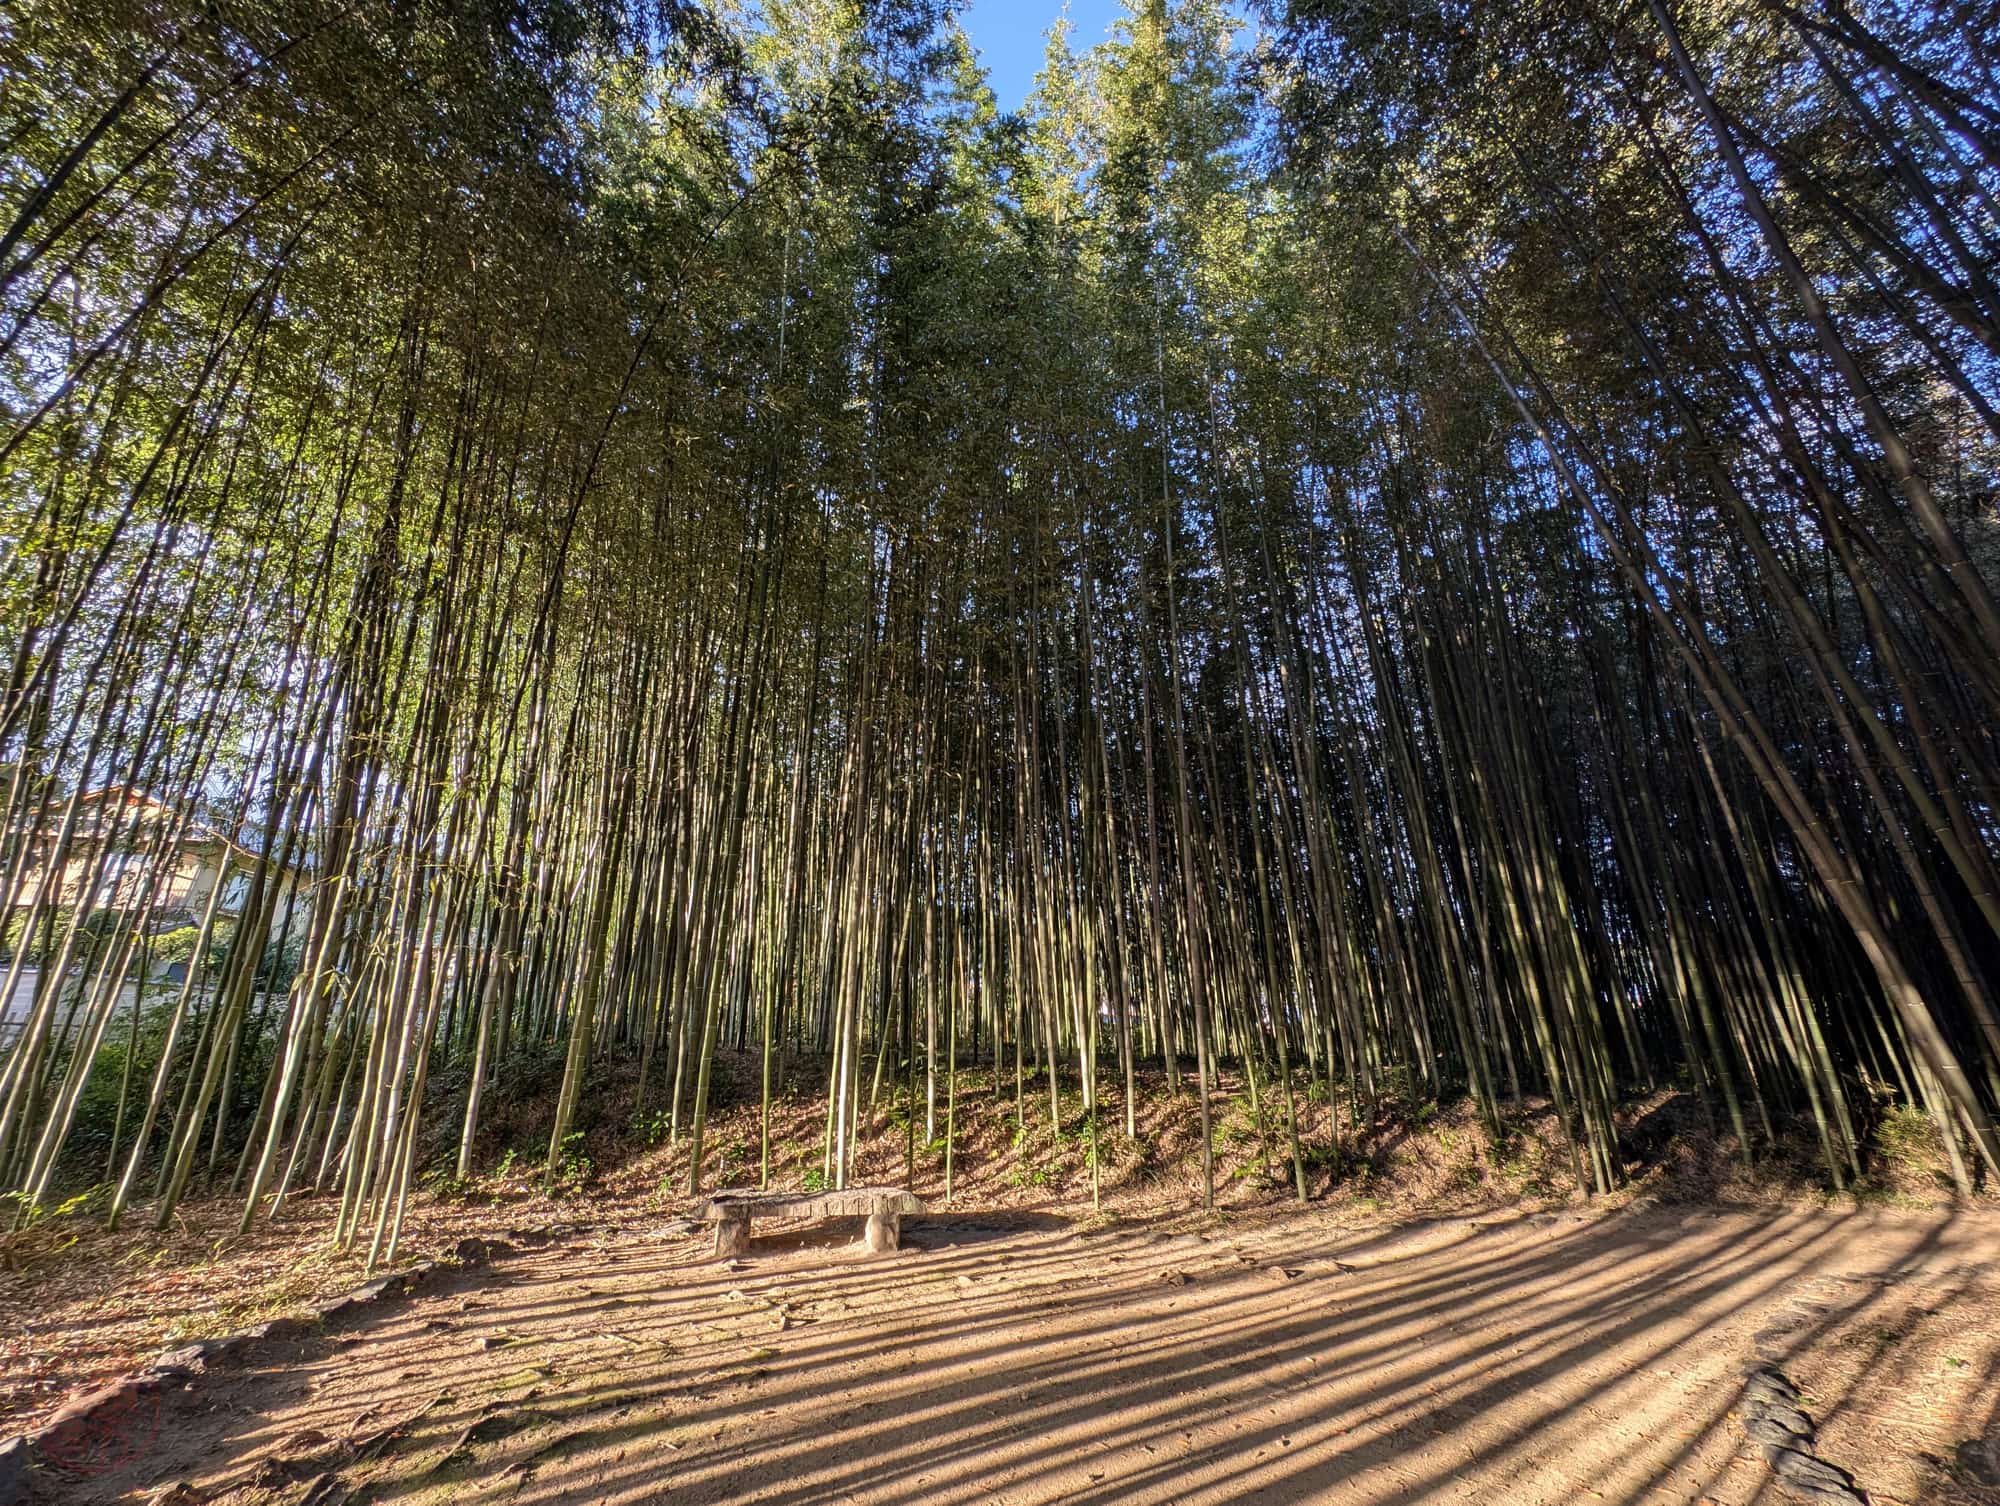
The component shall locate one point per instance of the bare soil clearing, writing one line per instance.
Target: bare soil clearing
(1546, 1358)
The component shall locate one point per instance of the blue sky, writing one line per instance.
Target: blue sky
(1009, 36)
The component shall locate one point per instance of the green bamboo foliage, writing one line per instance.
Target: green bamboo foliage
(1432, 556)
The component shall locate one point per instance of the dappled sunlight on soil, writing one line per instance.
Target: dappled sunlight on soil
(1544, 1358)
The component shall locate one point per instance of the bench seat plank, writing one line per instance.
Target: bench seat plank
(852, 1202)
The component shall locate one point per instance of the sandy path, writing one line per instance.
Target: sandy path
(1535, 1361)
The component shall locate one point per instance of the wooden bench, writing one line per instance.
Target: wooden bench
(731, 1210)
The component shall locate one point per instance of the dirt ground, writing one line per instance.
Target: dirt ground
(1019, 1357)
(81, 1305)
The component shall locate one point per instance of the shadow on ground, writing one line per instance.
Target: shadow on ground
(1547, 1359)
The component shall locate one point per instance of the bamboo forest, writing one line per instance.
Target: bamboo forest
(1343, 563)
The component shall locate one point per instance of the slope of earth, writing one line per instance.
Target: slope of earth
(1531, 1359)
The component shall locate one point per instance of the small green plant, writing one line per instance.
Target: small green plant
(506, 1167)
(1026, 1174)
(815, 1180)
(1259, 1171)
(1326, 1157)
(729, 1158)
(573, 1168)
(446, 1185)
(651, 1129)
(1906, 1137)
(17, 1210)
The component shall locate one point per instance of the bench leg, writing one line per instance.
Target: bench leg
(885, 1232)
(732, 1237)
